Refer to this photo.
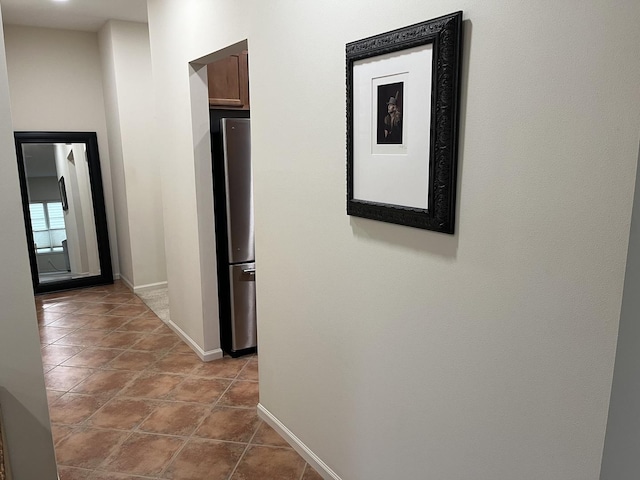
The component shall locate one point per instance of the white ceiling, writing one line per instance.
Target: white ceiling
(87, 15)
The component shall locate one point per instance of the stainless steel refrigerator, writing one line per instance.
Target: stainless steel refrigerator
(233, 200)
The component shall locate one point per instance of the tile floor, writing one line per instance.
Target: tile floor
(129, 400)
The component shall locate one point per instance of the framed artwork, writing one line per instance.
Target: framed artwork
(63, 194)
(403, 92)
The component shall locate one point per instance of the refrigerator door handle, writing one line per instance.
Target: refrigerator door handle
(251, 271)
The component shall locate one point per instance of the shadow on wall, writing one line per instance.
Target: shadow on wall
(24, 435)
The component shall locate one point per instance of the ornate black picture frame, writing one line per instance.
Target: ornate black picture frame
(403, 92)
(63, 194)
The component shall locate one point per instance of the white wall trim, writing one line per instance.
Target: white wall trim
(297, 444)
(204, 356)
(149, 286)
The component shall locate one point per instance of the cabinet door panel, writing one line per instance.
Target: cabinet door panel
(229, 82)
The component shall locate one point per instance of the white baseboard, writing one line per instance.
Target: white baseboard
(149, 287)
(204, 356)
(304, 451)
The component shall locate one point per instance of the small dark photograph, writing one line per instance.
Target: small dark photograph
(390, 102)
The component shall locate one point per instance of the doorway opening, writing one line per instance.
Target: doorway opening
(223, 165)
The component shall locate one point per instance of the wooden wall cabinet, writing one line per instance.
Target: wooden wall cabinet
(229, 82)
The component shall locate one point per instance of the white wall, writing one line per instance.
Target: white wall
(190, 258)
(116, 158)
(620, 458)
(81, 181)
(55, 82)
(126, 63)
(391, 351)
(22, 393)
(79, 218)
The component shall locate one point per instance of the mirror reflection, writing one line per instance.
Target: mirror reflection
(61, 211)
(64, 210)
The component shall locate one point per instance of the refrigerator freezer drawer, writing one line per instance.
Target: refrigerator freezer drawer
(243, 305)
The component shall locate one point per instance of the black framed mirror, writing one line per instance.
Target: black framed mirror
(64, 211)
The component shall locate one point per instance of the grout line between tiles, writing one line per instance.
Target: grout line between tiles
(303, 470)
(243, 453)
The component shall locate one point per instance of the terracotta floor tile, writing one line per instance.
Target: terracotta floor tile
(52, 334)
(120, 339)
(152, 385)
(223, 368)
(53, 395)
(149, 314)
(65, 307)
(115, 476)
(231, 424)
(53, 298)
(269, 463)
(268, 436)
(241, 394)
(92, 357)
(57, 354)
(60, 432)
(310, 474)
(88, 448)
(174, 418)
(91, 296)
(205, 459)
(136, 300)
(81, 337)
(199, 390)
(146, 325)
(71, 321)
(129, 310)
(118, 286)
(249, 372)
(122, 413)
(143, 454)
(73, 409)
(124, 390)
(105, 383)
(45, 317)
(46, 367)
(71, 473)
(155, 343)
(182, 347)
(104, 322)
(177, 363)
(164, 330)
(98, 308)
(133, 360)
(119, 297)
(65, 378)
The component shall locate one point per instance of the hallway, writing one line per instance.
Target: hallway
(129, 400)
